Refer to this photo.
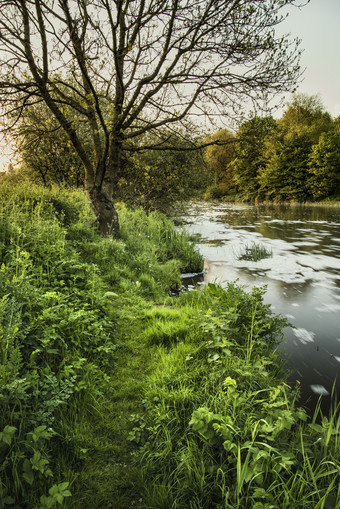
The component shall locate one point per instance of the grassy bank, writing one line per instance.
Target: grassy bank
(113, 393)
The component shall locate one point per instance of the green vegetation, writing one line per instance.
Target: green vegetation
(221, 429)
(144, 71)
(113, 393)
(255, 252)
(67, 299)
(294, 158)
(218, 159)
(151, 179)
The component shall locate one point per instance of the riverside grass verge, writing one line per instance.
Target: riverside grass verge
(115, 395)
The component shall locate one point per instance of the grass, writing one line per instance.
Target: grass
(221, 427)
(255, 252)
(72, 354)
(115, 394)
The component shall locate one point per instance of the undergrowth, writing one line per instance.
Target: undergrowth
(221, 428)
(64, 296)
(116, 394)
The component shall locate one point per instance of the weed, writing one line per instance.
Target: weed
(112, 393)
(66, 296)
(255, 253)
(222, 428)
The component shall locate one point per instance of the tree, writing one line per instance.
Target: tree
(160, 179)
(219, 157)
(287, 151)
(126, 68)
(249, 156)
(324, 165)
(45, 149)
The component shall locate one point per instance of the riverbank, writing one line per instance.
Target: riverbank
(115, 393)
(239, 198)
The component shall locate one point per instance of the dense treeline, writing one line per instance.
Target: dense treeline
(296, 157)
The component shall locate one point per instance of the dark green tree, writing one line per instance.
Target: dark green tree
(324, 165)
(219, 157)
(286, 173)
(128, 68)
(249, 154)
(46, 152)
(160, 179)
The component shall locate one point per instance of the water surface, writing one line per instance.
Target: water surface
(302, 278)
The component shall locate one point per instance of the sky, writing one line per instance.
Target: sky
(317, 24)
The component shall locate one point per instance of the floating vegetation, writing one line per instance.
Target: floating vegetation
(255, 253)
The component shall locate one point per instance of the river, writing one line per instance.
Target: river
(302, 278)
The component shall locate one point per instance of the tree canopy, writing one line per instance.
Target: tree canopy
(127, 68)
(249, 156)
(218, 158)
(296, 157)
(288, 148)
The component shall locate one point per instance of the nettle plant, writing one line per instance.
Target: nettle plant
(24, 463)
(221, 427)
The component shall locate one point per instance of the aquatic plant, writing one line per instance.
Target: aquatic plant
(255, 252)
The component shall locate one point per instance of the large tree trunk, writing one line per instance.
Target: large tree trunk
(104, 210)
(100, 189)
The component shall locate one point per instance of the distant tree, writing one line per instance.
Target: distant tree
(249, 154)
(160, 179)
(219, 158)
(126, 68)
(46, 152)
(324, 165)
(286, 173)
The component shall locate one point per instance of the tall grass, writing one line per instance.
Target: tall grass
(62, 314)
(222, 429)
(103, 375)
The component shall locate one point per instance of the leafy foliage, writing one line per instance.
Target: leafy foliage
(137, 72)
(47, 154)
(59, 314)
(249, 159)
(161, 179)
(219, 158)
(288, 149)
(324, 166)
(293, 158)
(221, 427)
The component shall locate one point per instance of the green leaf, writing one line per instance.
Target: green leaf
(9, 500)
(27, 472)
(316, 427)
(38, 463)
(7, 434)
(229, 382)
(60, 491)
(260, 492)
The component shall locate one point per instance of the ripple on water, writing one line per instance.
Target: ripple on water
(328, 308)
(319, 389)
(304, 335)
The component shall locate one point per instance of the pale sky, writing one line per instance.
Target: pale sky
(317, 24)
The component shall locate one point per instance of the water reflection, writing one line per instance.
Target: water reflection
(302, 277)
